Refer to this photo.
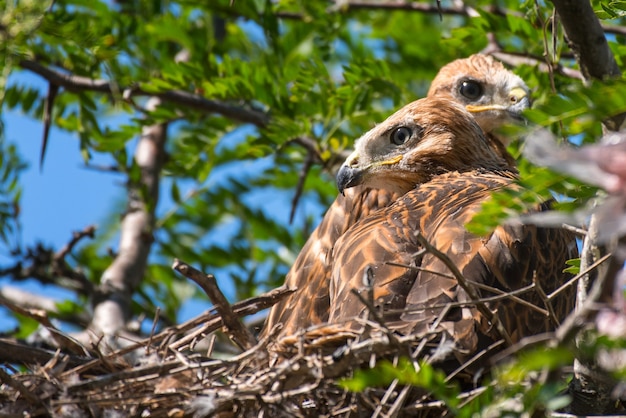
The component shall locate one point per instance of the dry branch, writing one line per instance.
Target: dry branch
(18, 353)
(30, 397)
(244, 384)
(468, 287)
(240, 334)
(211, 322)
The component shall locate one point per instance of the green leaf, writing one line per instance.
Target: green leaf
(574, 266)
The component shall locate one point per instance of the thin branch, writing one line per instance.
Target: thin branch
(211, 320)
(89, 231)
(376, 316)
(53, 89)
(38, 263)
(17, 353)
(500, 294)
(469, 289)
(23, 390)
(60, 338)
(581, 274)
(313, 157)
(546, 301)
(344, 6)
(473, 359)
(75, 83)
(304, 171)
(515, 60)
(240, 334)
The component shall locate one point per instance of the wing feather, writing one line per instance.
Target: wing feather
(439, 210)
(310, 274)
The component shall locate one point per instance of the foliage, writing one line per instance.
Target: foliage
(426, 377)
(314, 72)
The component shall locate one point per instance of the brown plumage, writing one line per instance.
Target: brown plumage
(494, 95)
(437, 145)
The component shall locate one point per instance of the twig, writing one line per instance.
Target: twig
(76, 237)
(471, 292)
(103, 168)
(472, 360)
(377, 317)
(16, 353)
(546, 301)
(155, 321)
(388, 393)
(515, 60)
(304, 171)
(61, 339)
(313, 157)
(240, 334)
(7, 380)
(574, 229)
(578, 277)
(395, 408)
(500, 293)
(525, 342)
(212, 320)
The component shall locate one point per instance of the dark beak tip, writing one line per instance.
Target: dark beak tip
(347, 177)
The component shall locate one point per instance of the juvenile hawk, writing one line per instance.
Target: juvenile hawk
(436, 144)
(493, 94)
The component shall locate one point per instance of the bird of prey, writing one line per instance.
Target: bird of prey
(494, 96)
(436, 144)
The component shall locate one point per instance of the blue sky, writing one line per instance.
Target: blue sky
(65, 196)
(61, 198)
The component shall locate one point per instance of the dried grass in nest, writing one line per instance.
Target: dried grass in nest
(175, 382)
(170, 380)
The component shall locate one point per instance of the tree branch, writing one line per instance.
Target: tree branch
(240, 334)
(123, 276)
(429, 8)
(75, 83)
(585, 37)
(468, 287)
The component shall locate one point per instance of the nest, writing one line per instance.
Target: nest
(165, 376)
(170, 380)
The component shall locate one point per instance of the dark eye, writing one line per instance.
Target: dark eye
(471, 89)
(400, 135)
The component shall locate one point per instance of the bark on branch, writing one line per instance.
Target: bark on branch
(585, 37)
(124, 275)
(75, 83)
(426, 7)
(239, 333)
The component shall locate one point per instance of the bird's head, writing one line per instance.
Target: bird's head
(427, 137)
(493, 94)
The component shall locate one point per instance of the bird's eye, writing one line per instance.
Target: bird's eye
(471, 89)
(400, 135)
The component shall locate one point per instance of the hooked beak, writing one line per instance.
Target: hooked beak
(517, 101)
(348, 177)
(350, 174)
(353, 174)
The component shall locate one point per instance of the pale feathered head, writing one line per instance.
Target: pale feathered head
(493, 94)
(430, 136)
